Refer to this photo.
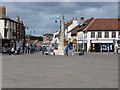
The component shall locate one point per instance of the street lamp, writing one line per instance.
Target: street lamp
(57, 21)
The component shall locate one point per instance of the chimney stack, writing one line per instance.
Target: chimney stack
(19, 19)
(73, 18)
(81, 20)
(76, 18)
(2, 11)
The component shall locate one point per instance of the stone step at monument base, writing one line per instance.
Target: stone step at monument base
(61, 52)
(70, 52)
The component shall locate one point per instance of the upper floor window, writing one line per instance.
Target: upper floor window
(118, 33)
(107, 34)
(99, 34)
(113, 34)
(92, 34)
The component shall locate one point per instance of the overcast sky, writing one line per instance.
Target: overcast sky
(41, 16)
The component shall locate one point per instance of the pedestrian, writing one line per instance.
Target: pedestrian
(89, 49)
(53, 48)
(66, 50)
(12, 51)
(31, 49)
(43, 50)
(116, 49)
(25, 49)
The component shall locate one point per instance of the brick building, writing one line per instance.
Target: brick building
(12, 31)
(47, 38)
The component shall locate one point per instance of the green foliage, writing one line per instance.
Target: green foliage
(36, 38)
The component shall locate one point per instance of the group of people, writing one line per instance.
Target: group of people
(12, 51)
(29, 49)
(48, 50)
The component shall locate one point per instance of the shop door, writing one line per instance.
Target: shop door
(97, 47)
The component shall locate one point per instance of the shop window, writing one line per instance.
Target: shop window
(92, 34)
(106, 34)
(113, 34)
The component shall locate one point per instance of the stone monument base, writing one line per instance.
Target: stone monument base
(59, 52)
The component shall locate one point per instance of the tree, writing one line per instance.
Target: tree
(40, 38)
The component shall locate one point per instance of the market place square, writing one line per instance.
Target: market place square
(43, 71)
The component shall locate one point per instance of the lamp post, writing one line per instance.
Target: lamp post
(57, 21)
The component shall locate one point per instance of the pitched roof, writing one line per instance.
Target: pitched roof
(68, 24)
(58, 35)
(80, 28)
(104, 24)
(86, 23)
(74, 29)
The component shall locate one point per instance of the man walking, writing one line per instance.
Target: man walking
(66, 50)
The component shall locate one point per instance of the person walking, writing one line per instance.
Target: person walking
(31, 49)
(66, 50)
(43, 50)
(25, 49)
(116, 50)
(53, 48)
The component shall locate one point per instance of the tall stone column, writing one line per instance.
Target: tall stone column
(62, 36)
(61, 45)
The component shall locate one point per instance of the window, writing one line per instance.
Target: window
(99, 34)
(113, 34)
(92, 34)
(118, 33)
(5, 33)
(106, 34)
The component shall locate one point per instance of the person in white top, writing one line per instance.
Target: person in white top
(12, 51)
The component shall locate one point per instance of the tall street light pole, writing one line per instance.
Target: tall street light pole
(57, 21)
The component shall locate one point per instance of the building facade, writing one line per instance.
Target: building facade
(47, 38)
(12, 31)
(100, 35)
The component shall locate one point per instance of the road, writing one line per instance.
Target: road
(38, 71)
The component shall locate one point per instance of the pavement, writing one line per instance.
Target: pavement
(38, 71)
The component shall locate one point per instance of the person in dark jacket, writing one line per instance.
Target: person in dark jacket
(43, 50)
(66, 50)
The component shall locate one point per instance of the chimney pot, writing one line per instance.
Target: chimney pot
(81, 20)
(3, 11)
(73, 18)
(76, 18)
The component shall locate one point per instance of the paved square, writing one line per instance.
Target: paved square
(37, 71)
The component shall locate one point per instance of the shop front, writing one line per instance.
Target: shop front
(82, 45)
(102, 47)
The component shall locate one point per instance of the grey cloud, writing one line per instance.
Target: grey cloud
(40, 16)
